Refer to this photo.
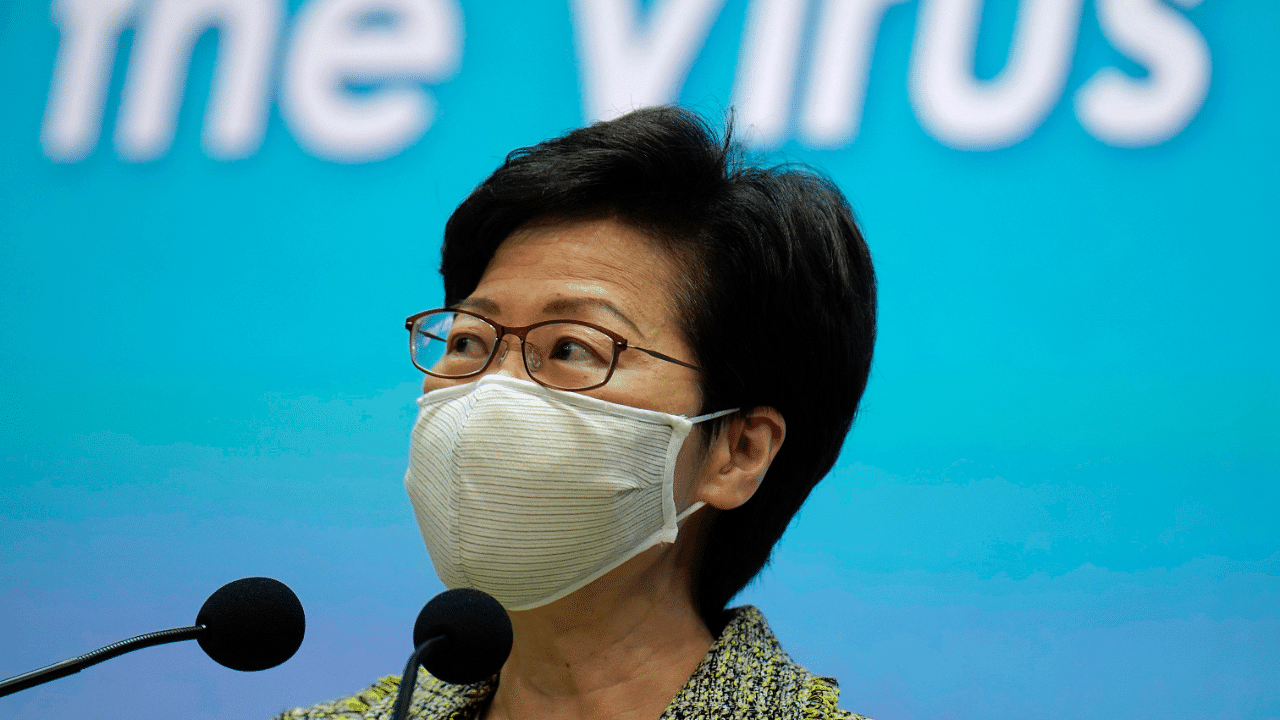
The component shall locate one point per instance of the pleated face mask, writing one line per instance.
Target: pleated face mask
(529, 493)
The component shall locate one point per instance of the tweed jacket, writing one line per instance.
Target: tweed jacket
(745, 675)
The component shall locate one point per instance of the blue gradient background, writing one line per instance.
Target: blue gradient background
(1060, 499)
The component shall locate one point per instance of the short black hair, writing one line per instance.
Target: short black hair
(779, 295)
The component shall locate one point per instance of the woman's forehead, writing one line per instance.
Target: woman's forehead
(598, 266)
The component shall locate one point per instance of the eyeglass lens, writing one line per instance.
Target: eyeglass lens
(564, 355)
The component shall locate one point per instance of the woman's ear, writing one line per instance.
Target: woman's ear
(739, 455)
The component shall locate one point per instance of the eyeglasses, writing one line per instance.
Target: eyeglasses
(560, 354)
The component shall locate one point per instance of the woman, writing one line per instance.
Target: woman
(650, 355)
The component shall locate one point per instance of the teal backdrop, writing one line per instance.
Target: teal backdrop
(1060, 499)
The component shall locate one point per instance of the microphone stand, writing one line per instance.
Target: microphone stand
(410, 678)
(76, 664)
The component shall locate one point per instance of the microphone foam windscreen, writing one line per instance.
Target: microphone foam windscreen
(252, 624)
(477, 635)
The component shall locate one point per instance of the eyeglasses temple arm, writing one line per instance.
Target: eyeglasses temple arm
(424, 332)
(668, 358)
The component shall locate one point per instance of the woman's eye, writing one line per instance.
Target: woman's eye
(569, 350)
(467, 345)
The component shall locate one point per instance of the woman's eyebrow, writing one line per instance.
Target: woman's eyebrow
(479, 304)
(566, 305)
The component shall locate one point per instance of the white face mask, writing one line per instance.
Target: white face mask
(529, 493)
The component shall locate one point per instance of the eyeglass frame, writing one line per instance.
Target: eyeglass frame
(620, 344)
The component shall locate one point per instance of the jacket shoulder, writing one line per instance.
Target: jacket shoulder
(433, 699)
(357, 706)
(823, 694)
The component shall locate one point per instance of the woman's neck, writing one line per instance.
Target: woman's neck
(621, 647)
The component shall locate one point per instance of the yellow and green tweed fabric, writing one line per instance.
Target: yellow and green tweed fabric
(746, 675)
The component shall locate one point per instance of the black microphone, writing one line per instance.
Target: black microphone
(462, 636)
(250, 624)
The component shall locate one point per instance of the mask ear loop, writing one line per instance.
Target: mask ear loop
(695, 507)
(712, 416)
(690, 510)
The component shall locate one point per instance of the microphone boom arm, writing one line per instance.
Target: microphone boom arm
(76, 664)
(410, 678)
